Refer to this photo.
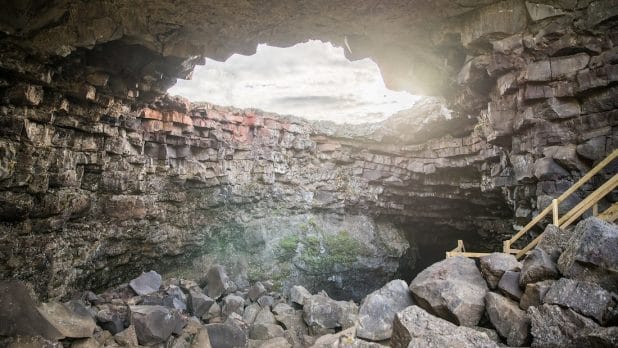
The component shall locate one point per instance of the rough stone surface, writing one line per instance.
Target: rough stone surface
(554, 241)
(91, 149)
(535, 293)
(510, 321)
(590, 255)
(414, 327)
(588, 299)
(19, 315)
(147, 283)
(322, 312)
(537, 266)
(378, 309)
(493, 267)
(298, 294)
(217, 281)
(199, 303)
(553, 326)
(153, 324)
(226, 336)
(70, 323)
(509, 285)
(452, 289)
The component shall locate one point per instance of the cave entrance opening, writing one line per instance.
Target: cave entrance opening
(313, 80)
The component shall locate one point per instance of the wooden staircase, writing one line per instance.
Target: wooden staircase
(590, 202)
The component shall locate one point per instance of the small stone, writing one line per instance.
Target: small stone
(537, 266)
(509, 285)
(128, 337)
(146, 283)
(175, 298)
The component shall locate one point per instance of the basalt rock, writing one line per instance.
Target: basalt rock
(89, 141)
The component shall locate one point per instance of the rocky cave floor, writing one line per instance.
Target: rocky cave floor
(563, 294)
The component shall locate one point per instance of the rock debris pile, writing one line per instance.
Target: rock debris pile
(567, 300)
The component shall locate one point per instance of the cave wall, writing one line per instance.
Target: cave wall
(102, 175)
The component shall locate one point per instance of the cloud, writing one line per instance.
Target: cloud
(312, 80)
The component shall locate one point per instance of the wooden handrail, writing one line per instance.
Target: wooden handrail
(589, 202)
(552, 207)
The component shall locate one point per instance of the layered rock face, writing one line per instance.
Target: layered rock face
(102, 175)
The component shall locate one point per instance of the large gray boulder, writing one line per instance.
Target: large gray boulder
(585, 298)
(292, 321)
(146, 283)
(452, 289)
(217, 281)
(322, 312)
(554, 326)
(153, 324)
(414, 327)
(226, 336)
(537, 266)
(298, 294)
(494, 265)
(199, 303)
(510, 321)
(71, 323)
(509, 285)
(256, 291)
(233, 304)
(592, 254)
(378, 309)
(19, 315)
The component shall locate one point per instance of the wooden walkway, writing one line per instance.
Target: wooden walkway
(590, 202)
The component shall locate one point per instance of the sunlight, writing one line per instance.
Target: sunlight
(312, 80)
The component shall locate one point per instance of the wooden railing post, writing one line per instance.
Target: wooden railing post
(555, 212)
(506, 247)
(595, 209)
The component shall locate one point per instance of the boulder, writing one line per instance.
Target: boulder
(233, 304)
(511, 322)
(590, 254)
(298, 294)
(226, 336)
(535, 293)
(494, 265)
(266, 301)
(585, 298)
(509, 285)
(265, 316)
(110, 319)
(217, 281)
(277, 342)
(175, 298)
(19, 315)
(68, 322)
(453, 289)
(29, 342)
(414, 327)
(553, 241)
(292, 321)
(199, 303)
(256, 291)
(537, 266)
(201, 339)
(127, 338)
(320, 311)
(378, 309)
(146, 283)
(554, 326)
(597, 337)
(153, 324)
(251, 312)
(265, 331)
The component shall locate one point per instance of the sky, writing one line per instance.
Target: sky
(312, 80)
